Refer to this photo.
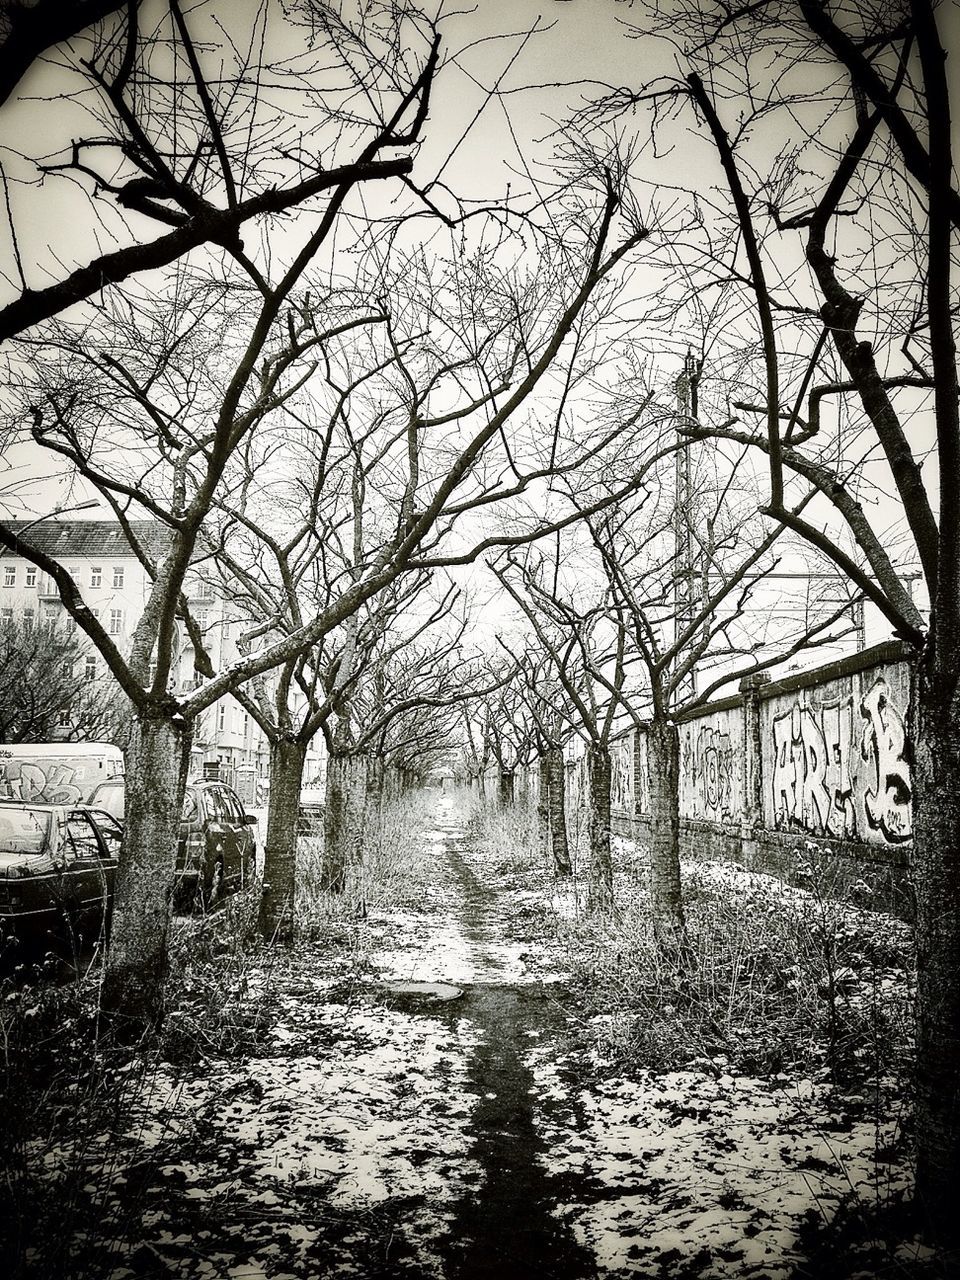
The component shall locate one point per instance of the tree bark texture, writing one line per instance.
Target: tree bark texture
(936, 835)
(280, 848)
(599, 771)
(133, 985)
(343, 820)
(663, 765)
(543, 808)
(506, 788)
(558, 813)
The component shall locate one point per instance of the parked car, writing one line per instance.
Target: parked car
(216, 847)
(58, 864)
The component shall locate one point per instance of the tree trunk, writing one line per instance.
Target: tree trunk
(376, 786)
(599, 770)
(137, 958)
(543, 807)
(663, 767)
(336, 823)
(506, 787)
(287, 759)
(936, 858)
(343, 822)
(558, 813)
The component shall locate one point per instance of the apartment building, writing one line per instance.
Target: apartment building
(114, 585)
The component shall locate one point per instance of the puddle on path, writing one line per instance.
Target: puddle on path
(417, 993)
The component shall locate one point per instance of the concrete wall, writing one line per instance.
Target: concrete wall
(836, 759)
(822, 756)
(712, 766)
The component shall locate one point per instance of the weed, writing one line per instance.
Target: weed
(773, 979)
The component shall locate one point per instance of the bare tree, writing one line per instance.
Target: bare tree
(586, 663)
(854, 347)
(185, 410)
(510, 734)
(184, 126)
(46, 691)
(693, 631)
(29, 30)
(544, 696)
(399, 717)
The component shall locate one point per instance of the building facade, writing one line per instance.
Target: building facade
(227, 741)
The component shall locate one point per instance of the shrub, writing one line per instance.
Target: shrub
(772, 979)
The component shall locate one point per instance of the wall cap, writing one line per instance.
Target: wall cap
(876, 656)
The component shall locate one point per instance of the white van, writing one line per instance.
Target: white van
(56, 772)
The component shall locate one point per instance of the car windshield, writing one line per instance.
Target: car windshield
(23, 830)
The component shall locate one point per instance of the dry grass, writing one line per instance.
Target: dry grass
(391, 868)
(772, 979)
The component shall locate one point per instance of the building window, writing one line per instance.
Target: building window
(90, 668)
(116, 621)
(221, 717)
(96, 575)
(9, 575)
(63, 718)
(31, 580)
(206, 591)
(28, 616)
(68, 667)
(6, 615)
(117, 577)
(203, 617)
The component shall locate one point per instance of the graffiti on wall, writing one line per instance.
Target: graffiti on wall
(711, 768)
(887, 791)
(827, 782)
(714, 764)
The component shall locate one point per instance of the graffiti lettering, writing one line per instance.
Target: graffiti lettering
(714, 765)
(811, 777)
(39, 784)
(886, 800)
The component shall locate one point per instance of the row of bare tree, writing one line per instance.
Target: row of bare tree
(323, 404)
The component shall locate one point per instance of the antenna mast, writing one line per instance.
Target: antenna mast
(685, 576)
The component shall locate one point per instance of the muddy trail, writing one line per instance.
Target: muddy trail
(384, 1119)
(506, 1227)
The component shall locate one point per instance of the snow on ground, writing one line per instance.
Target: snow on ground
(720, 1169)
(437, 944)
(341, 1142)
(349, 1111)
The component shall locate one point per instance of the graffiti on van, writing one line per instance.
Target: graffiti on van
(40, 782)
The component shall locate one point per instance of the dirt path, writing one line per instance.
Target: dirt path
(505, 1228)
